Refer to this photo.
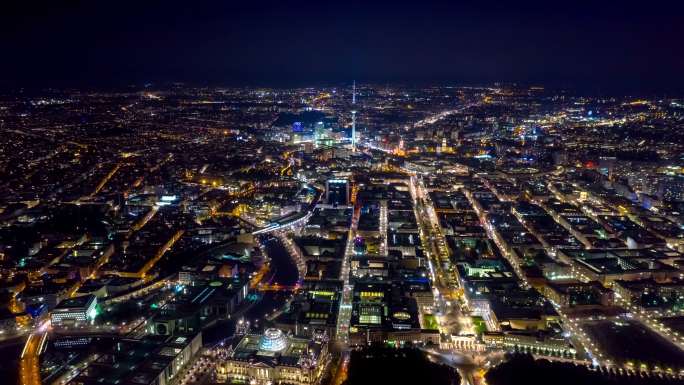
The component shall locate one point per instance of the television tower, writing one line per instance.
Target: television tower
(353, 112)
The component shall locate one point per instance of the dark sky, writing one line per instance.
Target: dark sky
(605, 45)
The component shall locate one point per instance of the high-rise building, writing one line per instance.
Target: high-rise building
(337, 191)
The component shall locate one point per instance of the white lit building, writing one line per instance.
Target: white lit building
(75, 310)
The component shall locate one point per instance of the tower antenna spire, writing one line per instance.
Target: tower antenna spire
(353, 112)
(354, 92)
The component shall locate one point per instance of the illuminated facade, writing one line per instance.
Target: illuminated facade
(274, 358)
(75, 310)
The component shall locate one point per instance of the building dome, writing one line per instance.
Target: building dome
(273, 340)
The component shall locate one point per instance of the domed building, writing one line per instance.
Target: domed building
(273, 340)
(275, 358)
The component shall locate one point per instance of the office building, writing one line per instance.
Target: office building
(337, 192)
(75, 310)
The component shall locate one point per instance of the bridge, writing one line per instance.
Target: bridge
(29, 364)
(284, 223)
(277, 287)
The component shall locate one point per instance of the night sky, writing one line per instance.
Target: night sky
(599, 45)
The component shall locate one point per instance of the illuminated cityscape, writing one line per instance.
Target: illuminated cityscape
(338, 231)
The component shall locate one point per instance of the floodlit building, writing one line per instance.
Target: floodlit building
(75, 310)
(275, 357)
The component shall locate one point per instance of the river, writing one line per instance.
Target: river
(282, 271)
